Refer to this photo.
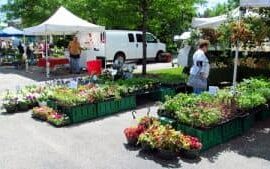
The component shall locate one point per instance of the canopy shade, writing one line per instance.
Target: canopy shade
(215, 22)
(63, 22)
(183, 36)
(255, 3)
(212, 22)
(11, 31)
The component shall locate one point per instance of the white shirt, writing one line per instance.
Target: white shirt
(199, 56)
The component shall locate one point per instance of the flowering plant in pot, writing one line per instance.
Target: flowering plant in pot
(10, 104)
(42, 113)
(167, 141)
(23, 103)
(191, 146)
(147, 121)
(132, 134)
(58, 119)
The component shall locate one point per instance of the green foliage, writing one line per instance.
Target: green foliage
(165, 18)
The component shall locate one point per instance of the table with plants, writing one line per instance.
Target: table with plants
(88, 100)
(215, 119)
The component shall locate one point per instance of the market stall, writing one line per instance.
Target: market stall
(63, 22)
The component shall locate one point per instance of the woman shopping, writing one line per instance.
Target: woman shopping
(200, 70)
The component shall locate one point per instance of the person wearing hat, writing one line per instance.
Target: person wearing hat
(74, 48)
(200, 70)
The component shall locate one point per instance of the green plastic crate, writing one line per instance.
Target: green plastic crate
(52, 104)
(161, 94)
(127, 103)
(247, 121)
(81, 113)
(231, 129)
(107, 108)
(263, 115)
(209, 137)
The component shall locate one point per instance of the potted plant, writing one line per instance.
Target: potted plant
(10, 105)
(132, 134)
(191, 146)
(42, 113)
(23, 104)
(58, 120)
(10, 102)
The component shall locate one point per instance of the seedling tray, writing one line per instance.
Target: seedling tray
(209, 137)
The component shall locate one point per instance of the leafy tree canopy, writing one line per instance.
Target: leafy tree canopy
(165, 18)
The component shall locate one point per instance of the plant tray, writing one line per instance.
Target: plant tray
(107, 108)
(209, 137)
(52, 104)
(231, 129)
(162, 93)
(127, 103)
(247, 121)
(263, 115)
(81, 113)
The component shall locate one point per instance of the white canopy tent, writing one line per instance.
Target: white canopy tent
(215, 22)
(255, 3)
(183, 36)
(212, 22)
(63, 22)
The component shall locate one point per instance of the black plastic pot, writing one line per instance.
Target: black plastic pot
(147, 148)
(166, 154)
(23, 107)
(190, 154)
(132, 142)
(11, 109)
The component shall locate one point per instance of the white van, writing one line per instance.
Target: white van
(127, 45)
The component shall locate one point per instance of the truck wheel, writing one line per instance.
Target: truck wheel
(159, 56)
(120, 56)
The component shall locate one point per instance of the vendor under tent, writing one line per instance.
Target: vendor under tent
(63, 22)
(11, 31)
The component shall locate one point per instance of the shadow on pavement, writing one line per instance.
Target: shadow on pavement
(38, 74)
(255, 143)
(173, 163)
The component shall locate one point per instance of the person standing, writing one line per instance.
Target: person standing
(21, 48)
(200, 70)
(74, 48)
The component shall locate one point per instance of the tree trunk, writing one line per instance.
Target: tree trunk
(144, 30)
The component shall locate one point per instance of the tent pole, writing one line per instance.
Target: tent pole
(47, 58)
(26, 59)
(236, 58)
(105, 49)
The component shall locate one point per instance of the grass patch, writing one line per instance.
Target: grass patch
(168, 76)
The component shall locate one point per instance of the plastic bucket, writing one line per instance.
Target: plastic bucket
(94, 67)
